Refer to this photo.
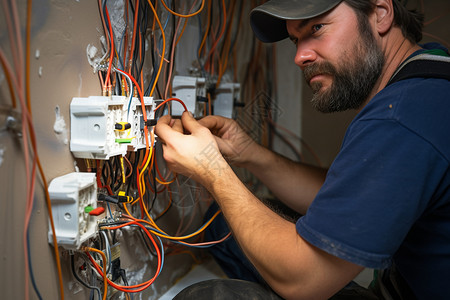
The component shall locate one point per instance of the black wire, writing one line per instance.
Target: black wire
(107, 24)
(72, 264)
(92, 293)
(133, 176)
(144, 239)
(123, 274)
(172, 42)
(118, 170)
(30, 266)
(104, 174)
(143, 29)
(110, 173)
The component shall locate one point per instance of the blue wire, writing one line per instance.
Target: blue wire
(162, 255)
(182, 243)
(109, 209)
(30, 266)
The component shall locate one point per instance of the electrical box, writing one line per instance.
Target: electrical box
(189, 90)
(73, 197)
(227, 94)
(93, 120)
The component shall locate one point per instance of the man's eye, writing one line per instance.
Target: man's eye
(316, 27)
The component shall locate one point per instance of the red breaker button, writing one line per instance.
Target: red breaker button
(96, 212)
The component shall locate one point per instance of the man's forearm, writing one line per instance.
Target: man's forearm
(291, 266)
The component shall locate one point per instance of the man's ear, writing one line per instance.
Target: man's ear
(384, 12)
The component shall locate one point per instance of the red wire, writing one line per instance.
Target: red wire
(139, 287)
(111, 56)
(171, 99)
(136, 10)
(99, 181)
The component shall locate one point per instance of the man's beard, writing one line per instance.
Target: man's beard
(353, 79)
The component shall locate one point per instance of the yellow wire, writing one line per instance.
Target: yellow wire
(141, 175)
(181, 33)
(165, 182)
(163, 35)
(183, 16)
(123, 169)
(126, 209)
(105, 281)
(176, 238)
(167, 236)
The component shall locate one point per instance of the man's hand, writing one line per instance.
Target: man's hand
(190, 148)
(236, 146)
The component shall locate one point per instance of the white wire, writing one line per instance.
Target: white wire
(108, 251)
(130, 88)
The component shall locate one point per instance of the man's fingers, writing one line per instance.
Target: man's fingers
(164, 130)
(166, 119)
(213, 123)
(189, 123)
(177, 125)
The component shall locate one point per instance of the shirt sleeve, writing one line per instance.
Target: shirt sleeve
(377, 187)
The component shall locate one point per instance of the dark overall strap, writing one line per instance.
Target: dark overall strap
(423, 66)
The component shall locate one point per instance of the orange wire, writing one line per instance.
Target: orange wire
(164, 46)
(12, 41)
(208, 23)
(133, 39)
(7, 71)
(111, 49)
(138, 287)
(222, 31)
(105, 279)
(227, 45)
(184, 16)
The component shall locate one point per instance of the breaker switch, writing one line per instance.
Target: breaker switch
(96, 212)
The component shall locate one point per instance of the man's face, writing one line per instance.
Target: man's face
(340, 58)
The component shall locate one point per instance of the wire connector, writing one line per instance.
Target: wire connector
(120, 198)
(122, 126)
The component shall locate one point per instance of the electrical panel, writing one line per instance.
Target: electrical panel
(94, 134)
(74, 208)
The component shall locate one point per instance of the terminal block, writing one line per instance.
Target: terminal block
(102, 127)
(74, 208)
(227, 94)
(189, 89)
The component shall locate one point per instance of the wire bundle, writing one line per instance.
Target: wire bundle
(19, 86)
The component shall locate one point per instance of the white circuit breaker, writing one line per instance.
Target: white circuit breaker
(93, 120)
(187, 89)
(226, 96)
(74, 198)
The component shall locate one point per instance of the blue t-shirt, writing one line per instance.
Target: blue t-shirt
(386, 198)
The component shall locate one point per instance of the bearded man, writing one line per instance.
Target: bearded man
(385, 201)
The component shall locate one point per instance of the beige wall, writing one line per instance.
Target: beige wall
(61, 32)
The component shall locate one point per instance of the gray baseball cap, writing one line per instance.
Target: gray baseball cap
(268, 20)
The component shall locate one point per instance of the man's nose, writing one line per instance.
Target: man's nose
(304, 55)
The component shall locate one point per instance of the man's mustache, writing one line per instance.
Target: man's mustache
(318, 69)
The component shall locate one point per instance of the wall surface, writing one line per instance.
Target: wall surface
(61, 33)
